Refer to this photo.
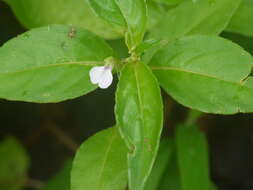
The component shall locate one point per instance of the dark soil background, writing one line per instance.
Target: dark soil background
(52, 132)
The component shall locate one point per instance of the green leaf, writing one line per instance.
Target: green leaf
(60, 181)
(101, 163)
(171, 179)
(50, 64)
(195, 17)
(241, 22)
(146, 45)
(163, 157)
(193, 161)
(131, 15)
(76, 13)
(209, 74)
(119, 48)
(140, 118)
(171, 176)
(168, 2)
(193, 116)
(244, 41)
(135, 14)
(109, 11)
(155, 12)
(14, 163)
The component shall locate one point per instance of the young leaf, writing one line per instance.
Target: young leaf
(147, 45)
(171, 177)
(135, 14)
(241, 22)
(14, 163)
(209, 74)
(33, 14)
(131, 15)
(139, 117)
(192, 155)
(101, 163)
(50, 64)
(109, 11)
(163, 157)
(195, 17)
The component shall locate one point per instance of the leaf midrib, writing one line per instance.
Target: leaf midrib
(139, 96)
(85, 63)
(104, 161)
(240, 83)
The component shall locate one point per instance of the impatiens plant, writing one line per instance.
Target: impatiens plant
(172, 44)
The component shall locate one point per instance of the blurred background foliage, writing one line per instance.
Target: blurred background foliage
(37, 141)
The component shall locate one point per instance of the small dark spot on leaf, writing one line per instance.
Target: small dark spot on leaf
(147, 142)
(72, 32)
(132, 149)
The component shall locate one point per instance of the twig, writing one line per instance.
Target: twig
(34, 183)
(62, 137)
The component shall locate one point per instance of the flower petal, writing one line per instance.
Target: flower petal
(106, 79)
(95, 74)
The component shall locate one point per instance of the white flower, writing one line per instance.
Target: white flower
(102, 76)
